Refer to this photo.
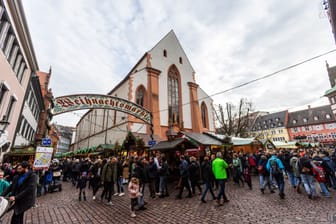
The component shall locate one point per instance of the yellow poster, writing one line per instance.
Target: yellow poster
(43, 157)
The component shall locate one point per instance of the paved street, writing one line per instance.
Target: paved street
(246, 206)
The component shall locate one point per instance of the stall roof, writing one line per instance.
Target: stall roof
(202, 139)
(167, 145)
(234, 140)
(242, 141)
(291, 145)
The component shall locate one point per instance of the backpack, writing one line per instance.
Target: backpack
(275, 170)
(49, 178)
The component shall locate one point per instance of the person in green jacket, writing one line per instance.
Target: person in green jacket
(3, 183)
(219, 167)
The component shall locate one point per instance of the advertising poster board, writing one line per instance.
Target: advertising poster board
(43, 157)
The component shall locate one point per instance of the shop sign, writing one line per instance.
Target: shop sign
(93, 101)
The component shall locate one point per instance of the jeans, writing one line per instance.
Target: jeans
(291, 178)
(265, 180)
(120, 185)
(308, 183)
(184, 184)
(262, 181)
(221, 192)
(279, 178)
(141, 200)
(163, 183)
(207, 186)
(324, 189)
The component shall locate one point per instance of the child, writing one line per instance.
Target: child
(133, 190)
(81, 184)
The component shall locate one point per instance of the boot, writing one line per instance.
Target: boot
(84, 196)
(79, 198)
(225, 198)
(218, 203)
(298, 189)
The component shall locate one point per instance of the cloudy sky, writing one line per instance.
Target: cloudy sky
(92, 45)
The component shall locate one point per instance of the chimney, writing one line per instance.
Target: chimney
(308, 106)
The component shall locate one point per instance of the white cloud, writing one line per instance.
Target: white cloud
(92, 46)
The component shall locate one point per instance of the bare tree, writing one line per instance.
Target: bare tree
(234, 121)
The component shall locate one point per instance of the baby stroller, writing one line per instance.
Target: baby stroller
(5, 206)
(56, 183)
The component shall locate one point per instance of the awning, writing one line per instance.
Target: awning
(242, 141)
(103, 147)
(169, 145)
(287, 145)
(202, 139)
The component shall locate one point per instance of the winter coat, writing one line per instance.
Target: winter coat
(293, 163)
(285, 159)
(194, 171)
(133, 190)
(109, 173)
(207, 175)
(184, 171)
(262, 164)
(219, 169)
(237, 164)
(305, 166)
(278, 161)
(25, 194)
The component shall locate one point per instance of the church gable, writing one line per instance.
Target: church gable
(168, 51)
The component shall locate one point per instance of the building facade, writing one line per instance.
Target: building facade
(33, 106)
(313, 124)
(271, 126)
(163, 82)
(17, 64)
(45, 116)
(65, 137)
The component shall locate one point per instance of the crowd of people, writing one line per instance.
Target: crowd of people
(310, 169)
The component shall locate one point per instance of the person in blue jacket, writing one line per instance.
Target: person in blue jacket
(276, 168)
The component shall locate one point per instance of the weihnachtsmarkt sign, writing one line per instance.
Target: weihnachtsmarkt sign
(68, 103)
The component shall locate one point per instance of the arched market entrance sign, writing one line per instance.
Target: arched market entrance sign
(69, 103)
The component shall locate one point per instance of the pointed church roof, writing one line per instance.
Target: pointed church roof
(170, 35)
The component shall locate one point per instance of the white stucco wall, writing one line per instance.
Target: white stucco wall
(209, 104)
(174, 52)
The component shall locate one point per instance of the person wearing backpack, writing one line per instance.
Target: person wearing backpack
(275, 167)
(237, 170)
(306, 174)
(330, 169)
(295, 172)
(319, 174)
(264, 175)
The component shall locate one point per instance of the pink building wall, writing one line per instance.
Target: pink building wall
(16, 89)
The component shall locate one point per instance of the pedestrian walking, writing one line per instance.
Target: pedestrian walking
(134, 193)
(276, 168)
(184, 175)
(22, 192)
(207, 177)
(219, 167)
(81, 185)
(95, 172)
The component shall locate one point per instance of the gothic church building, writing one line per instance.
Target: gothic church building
(163, 82)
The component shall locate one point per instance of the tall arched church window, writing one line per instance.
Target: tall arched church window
(140, 96)
(173, 95)
(204, 114)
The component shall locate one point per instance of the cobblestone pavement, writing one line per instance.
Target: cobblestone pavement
(245, 206)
